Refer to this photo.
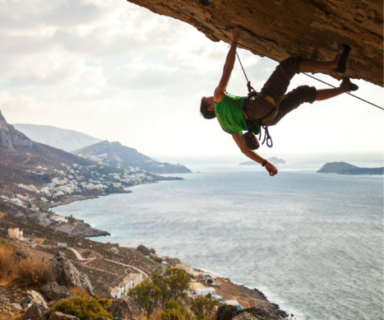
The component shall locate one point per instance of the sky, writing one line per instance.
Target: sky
(119, 72)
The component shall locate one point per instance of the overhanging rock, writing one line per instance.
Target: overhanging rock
(282, 28)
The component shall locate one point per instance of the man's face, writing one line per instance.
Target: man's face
(211, 103)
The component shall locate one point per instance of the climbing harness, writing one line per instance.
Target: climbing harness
(249, 137)
(352, 95)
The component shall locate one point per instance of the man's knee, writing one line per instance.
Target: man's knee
(306, 93)
(291, 64)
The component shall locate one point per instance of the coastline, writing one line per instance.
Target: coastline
(80, 227)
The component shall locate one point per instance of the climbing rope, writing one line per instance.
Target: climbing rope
(249, 83)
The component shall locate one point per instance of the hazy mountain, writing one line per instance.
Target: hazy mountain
(67, 140)
(114, 153)
(346, 168)
(20, 156)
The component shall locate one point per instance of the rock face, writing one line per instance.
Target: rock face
(228, 312)
(281, 28)
(52, 291)
(68, 275)
(61, 316)
(35, 312)
(125, 308)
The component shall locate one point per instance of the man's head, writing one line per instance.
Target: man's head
(207, 108)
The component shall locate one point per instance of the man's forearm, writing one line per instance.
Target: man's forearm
(231, 57)
(254, 156)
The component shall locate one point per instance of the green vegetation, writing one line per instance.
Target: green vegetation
(71, 219)
(203, 307)
(146, 294)
(161, 290)
(81, 307)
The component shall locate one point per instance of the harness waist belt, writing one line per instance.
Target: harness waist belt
(268, 98)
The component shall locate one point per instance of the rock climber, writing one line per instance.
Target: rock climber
(235, 114)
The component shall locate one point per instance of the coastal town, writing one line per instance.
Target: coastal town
(94, 179)
(115, 271)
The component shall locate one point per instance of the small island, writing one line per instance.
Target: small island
(346, 168)
(273, 160)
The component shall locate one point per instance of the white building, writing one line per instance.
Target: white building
(205, 291)
(118, 292)
(132, 281)
(62, 245)
(15, 233)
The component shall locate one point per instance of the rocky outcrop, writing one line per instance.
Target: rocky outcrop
(52, 291)
(68, 275)
(280, 28)
(228, 312)
(35, 312)
(125, 308)
(61, 316)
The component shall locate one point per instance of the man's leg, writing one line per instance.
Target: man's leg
(306, 94)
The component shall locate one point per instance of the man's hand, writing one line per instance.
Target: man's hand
(271, 169)
(236, 33)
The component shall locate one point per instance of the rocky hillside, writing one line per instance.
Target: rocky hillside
(66, 140)
(278, 29)
(346, 168)
(18, 150)
(114, 153)
(87, 267)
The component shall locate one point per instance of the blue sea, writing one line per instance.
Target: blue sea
(312, 242)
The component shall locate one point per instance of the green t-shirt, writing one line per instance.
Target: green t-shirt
(229, 112)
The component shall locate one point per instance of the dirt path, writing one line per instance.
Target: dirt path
(127, 265)
(77, 254)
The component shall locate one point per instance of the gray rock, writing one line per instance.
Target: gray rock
(228, 312)
(52, 291)
(3, 298)
(68, 275)
(36, 297)
(252, 314)
(125, 308)
(15, 307)
(61, 316)
(35, 312)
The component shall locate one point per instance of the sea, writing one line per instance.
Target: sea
(311, 242)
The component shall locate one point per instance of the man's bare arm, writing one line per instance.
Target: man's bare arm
(238, 137)
(221, 89)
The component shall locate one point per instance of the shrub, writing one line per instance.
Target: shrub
(81, 307)
(158, 260)
(204, 307)
(35, 272)
(9, 246)
(171, 314)
(79, 292)
(106, 303)
(209, 281)
(140, 247)
(7, 262)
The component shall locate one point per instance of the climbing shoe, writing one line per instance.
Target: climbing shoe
(342, 59)
(348, 84)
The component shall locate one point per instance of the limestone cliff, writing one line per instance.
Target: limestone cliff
(281, 28)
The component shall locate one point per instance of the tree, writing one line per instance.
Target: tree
(203, 306)
(152, 250)
(140, 247)
(165, 293)
(71, 219)
(178, 282)
(146, 294)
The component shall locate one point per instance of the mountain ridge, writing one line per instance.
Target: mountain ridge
(116, 154)
(65, 139)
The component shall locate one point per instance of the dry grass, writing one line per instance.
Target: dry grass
(79, 292)
(35, 272)
(8, 263)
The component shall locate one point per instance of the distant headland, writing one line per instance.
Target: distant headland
(346, 168)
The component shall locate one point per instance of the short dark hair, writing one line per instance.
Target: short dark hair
(204, 110)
